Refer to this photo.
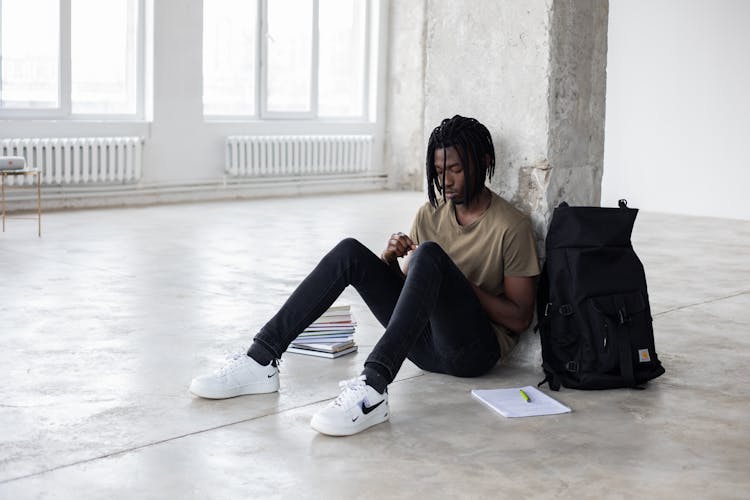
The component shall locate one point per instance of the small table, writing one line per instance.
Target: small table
(25, 171)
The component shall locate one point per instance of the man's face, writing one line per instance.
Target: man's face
(447, 160)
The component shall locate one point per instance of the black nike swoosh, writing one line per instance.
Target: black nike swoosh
(273, 374)
(368, 409)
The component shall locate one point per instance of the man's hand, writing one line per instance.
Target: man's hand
(398, 245)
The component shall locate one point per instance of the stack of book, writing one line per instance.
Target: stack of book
(330, 336)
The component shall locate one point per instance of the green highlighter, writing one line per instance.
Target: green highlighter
(525, 396)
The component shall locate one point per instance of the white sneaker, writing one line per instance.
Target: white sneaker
(357, 408)
(241, 375)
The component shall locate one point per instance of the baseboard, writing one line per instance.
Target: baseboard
(23, 198)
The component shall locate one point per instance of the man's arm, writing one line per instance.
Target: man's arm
(514, 309)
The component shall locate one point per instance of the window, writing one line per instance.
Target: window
(289, 44)
(30, 57)
(71, 58)
(342, 58)
(103, 56)
(229, 50)
(288, 58)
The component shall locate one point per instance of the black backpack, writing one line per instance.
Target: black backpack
(593, 312)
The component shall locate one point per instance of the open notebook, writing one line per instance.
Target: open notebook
(511, 403)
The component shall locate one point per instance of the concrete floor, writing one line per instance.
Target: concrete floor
(107, 317)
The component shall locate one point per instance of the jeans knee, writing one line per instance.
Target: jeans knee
(427, 250)
(348, 247)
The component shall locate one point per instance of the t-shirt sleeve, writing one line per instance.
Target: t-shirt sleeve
(414, 234)
(519, 251)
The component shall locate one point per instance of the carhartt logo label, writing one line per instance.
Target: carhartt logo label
(643, 356)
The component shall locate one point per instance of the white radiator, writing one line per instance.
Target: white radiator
(283, 155)
(80, 160)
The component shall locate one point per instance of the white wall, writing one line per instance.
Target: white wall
(678, 106)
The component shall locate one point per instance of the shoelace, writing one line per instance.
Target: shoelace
(351, 391)
(232, 359)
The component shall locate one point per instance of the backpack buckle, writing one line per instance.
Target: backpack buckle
(571, 366)
(566, 310)
(623, 316)
(546, 309)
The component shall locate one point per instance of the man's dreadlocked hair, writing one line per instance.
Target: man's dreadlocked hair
(473, 143)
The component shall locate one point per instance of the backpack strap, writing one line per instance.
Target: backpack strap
(624, 347)
(626, 363)
(551, 308)
(550, 377)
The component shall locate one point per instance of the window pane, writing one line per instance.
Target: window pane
(30, 60)
(289, 55)
(342, 57)
(229, 48)
(103, 56)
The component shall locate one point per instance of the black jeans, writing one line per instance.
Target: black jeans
(433, 317)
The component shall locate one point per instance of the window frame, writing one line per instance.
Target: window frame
(64, 89)
(369, 62)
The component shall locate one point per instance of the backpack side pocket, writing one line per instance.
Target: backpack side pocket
(630, 336)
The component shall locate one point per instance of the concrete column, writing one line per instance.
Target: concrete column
(576, 105)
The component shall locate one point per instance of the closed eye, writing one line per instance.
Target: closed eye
(456, 169)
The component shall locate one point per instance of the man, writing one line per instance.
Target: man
(462, 299)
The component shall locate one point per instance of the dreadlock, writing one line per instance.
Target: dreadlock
(473, 142)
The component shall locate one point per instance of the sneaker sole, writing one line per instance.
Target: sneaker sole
(244, 390)
(329, 429)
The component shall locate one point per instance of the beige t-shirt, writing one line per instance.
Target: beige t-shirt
(499, 243)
